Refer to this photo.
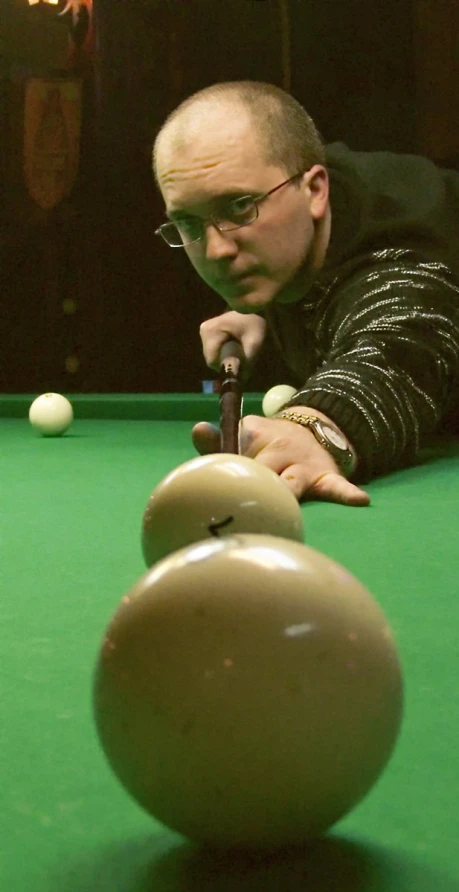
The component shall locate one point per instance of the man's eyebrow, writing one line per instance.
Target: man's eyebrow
(217, 201)
(179, 215)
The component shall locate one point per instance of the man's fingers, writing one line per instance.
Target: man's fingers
(329, 486)
(247, 328)
(335, 488)
(206, 438)
(306, 479)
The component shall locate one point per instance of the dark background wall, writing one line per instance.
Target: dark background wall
(90, 299)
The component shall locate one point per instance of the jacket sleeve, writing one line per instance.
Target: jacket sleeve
(390, 337)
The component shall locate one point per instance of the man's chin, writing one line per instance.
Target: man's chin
(248, 304)
(246, 299)
(249, 300)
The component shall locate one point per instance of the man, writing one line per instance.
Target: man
(352, 261)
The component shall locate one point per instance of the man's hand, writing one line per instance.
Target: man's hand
(293, 452)
(248, 328)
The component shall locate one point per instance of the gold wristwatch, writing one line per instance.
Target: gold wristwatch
(327, 435)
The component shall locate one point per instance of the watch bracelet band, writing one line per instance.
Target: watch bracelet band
(345, 462)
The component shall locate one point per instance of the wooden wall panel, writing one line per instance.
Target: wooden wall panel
(92, 282)
(352, 68)
(436, 30)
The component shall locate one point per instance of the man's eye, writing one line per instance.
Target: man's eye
(240, 207)
(191, 228)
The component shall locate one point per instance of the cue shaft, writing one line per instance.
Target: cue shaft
(231, 360)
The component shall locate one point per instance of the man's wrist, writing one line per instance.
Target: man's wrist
(328, 434)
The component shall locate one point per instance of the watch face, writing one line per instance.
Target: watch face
(335, 437)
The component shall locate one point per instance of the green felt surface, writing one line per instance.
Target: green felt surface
(70, 516)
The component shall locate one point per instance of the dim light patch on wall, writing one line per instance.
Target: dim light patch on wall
(52, 121)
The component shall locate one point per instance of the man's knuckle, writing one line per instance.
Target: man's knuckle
(323, 483)
(280, 443)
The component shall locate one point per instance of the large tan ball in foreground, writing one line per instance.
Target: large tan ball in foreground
(248, 692)
(217, 495)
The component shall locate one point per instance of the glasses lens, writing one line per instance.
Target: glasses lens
(239, 212)
(183, 233)
(171, 235)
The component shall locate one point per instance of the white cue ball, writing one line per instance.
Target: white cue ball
(217, 495)
(51, 414)
(248, 692)
(275, 398)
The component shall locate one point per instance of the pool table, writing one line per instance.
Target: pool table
(70, 518)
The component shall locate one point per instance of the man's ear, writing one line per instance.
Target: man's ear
(317, 184)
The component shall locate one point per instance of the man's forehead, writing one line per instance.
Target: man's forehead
(200, 196)
(201, 188)
(204, 134)
(211, 115)
(210, 155)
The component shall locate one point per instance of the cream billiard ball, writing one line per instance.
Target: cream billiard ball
(51, 414)
(248, 692)
(277, 397)
(217, 495)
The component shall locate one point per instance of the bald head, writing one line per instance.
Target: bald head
(282, 130)
(208, 132)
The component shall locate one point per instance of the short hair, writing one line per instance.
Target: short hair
(287, 134)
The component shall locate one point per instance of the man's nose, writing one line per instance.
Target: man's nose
(219, 244)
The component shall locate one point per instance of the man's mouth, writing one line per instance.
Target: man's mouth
(239, 277)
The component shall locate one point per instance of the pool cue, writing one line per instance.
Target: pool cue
(231, 360)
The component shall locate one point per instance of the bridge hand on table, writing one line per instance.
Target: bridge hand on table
(292, 452)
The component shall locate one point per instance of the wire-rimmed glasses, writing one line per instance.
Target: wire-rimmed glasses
(236, 213)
